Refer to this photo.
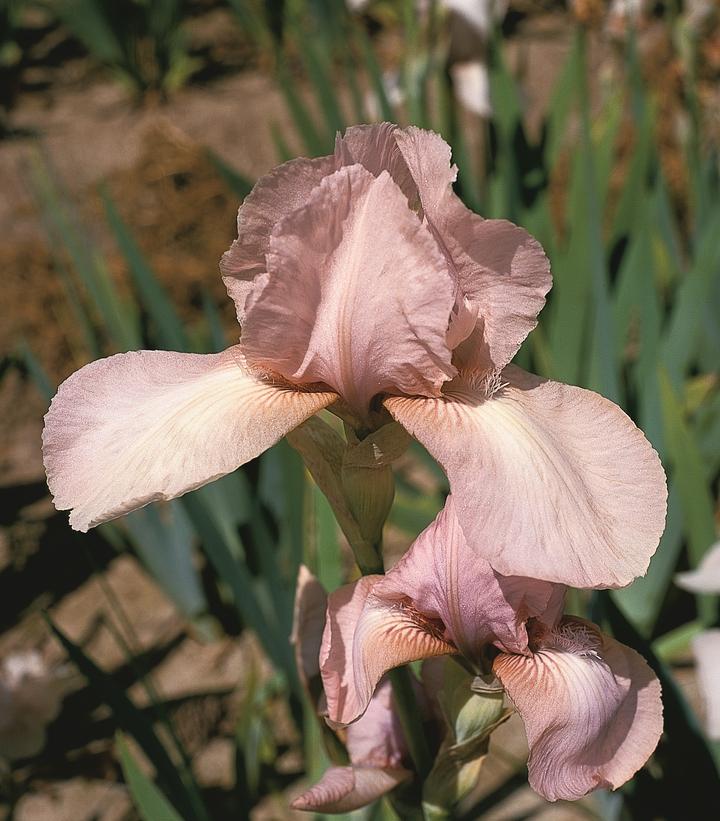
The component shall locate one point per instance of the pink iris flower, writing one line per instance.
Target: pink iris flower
(590, 705)
(363, 284)
(376, 745)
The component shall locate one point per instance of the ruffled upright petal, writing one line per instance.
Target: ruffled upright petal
(359, 293)
(364, 638)
(274, 196)
(150, 425)
(375, 148)
(448, 582)
(591, 709)
(501, 270)
(549, 481)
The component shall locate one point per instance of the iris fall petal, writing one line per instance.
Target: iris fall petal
(151, 425)
(591, 709)
(550, 481)
(364, 638)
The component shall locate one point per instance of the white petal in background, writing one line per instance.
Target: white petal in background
(706, 648)
(706, 577)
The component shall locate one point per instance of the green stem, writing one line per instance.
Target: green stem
(368, 557)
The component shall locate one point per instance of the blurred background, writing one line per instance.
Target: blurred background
(156, 647)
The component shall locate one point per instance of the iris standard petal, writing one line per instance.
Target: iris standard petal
(565, 484)
(151, 425)
(274, 196)
(359, 293)
(375, 148)
(446, 580)
(591, 709)
(343, 789)
(500, 269)
(364, 638)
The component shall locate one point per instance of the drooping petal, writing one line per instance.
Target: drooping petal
(446, 580)
(274, 196)
(359, 293)
(501, 270)
(549, 481)
(343, 789)
(364, 638)
(706, 649)
(706, 576)
(307, 631)
(591, 709)
(376, 739)
(150, 425)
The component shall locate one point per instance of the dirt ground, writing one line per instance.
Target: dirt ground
(183, 215)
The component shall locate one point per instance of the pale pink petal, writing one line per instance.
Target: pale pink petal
(364, 638)
(343, 789)
(706, 576)
(549, 481)
(447, 581)
(706, 649)
(502, 271)
(150, 425)
(359, 293)
(274, 196)
(376, 149)
(308, 626)
(591, 709)
(376, 739)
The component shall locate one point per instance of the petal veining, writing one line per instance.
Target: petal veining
(364, 638)
(446, 580)
(358, 291)
(591, 709)
(151, 425)
(567, 485)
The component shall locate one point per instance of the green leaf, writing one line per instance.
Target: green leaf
(236, 182)
(689, 473)
(119, 319)
(134, 722)
(170, 331)
(150, 802)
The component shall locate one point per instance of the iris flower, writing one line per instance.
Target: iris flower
(364, 285)
(590, 705)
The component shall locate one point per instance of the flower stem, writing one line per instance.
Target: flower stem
(408, 713)
(368, 557)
